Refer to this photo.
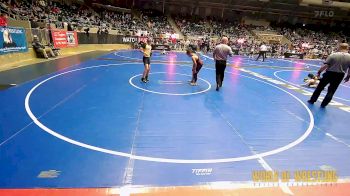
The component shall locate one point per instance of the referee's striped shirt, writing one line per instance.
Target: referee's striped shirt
(221, 52)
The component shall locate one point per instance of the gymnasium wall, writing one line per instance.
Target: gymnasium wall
(13, 60)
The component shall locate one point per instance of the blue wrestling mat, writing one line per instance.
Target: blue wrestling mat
(95, 124)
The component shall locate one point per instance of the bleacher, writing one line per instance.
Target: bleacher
(111, 26)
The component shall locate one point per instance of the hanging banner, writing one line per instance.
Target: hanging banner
(12, 40)
(64, 39)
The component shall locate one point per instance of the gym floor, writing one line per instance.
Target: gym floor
(93, 124)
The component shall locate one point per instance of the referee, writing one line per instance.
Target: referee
(262, 52)
(336, 65)
(220, 54)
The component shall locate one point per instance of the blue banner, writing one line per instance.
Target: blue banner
(12, 39)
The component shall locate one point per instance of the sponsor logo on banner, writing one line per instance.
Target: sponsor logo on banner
(12, 40)
(64, 39)
(133, 39)
(71, 39)
(130, 39)
(143, 39)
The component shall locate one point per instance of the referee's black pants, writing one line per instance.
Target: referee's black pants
(220, 67)
(263, 54)
(333, 79)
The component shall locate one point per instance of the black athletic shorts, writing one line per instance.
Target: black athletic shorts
(146, 60)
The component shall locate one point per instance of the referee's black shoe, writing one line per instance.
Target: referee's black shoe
(310, 102)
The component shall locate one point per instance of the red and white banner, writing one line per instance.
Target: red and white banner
(64, 39)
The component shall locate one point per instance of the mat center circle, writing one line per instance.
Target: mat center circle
(164, 83)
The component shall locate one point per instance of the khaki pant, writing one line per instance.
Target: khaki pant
(44, 51)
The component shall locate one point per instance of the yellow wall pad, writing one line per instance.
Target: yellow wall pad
(15, 60)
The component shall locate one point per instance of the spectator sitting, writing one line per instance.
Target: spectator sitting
(41, 49)
(70, 27)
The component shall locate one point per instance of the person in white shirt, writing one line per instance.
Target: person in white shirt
(163, 52)
(220, 54)
(187, 43)
(262, 52)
